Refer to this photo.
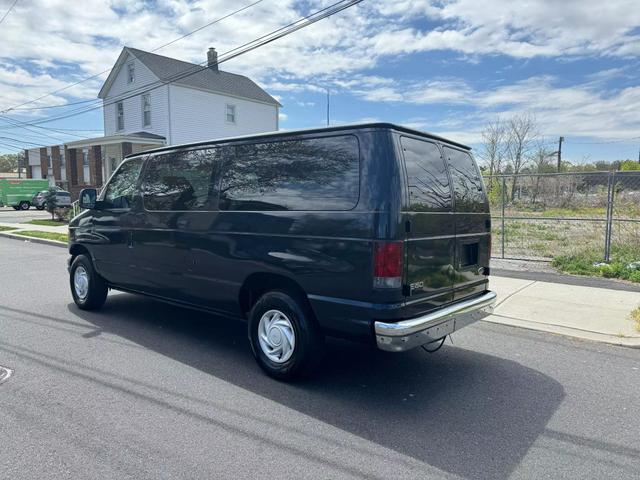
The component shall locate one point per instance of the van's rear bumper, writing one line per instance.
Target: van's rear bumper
(413, 332)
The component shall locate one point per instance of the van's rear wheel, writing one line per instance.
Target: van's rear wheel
(285, 338)
(89, 290)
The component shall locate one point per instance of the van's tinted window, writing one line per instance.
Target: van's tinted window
(427, 176)
(467, 183)
(314, 174)
(122, 187)
(181, 181)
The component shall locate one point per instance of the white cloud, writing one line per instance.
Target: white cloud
(47, 44)
(518, 29)
(587, 109)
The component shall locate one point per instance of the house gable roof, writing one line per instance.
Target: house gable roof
(166, 68)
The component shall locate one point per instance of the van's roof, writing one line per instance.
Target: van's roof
(288, 133)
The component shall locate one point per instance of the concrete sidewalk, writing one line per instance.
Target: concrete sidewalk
(23, 227)
(597, 314)
(17, 227)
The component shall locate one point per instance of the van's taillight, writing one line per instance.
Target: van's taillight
(387, 264)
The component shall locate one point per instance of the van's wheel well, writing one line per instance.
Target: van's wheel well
(76, 250)
(259, 283)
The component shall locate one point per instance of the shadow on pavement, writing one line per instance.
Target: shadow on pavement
(464, 412)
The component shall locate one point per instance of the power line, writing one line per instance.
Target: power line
(233, 53)
(18, 141)
(16, 124)
(622, 140)
(50, 106)
(8, 11)
(14, 145)
(6, 145)
(109, 69)
(81, 129)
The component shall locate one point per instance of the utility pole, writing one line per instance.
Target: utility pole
(327, 107)
(560, 152)
(639, 155)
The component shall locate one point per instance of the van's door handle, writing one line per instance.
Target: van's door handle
(182, 223)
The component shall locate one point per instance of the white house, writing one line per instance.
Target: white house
(151, 100)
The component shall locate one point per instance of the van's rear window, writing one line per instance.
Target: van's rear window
(467, 182)
(427, 178)
(312, 174)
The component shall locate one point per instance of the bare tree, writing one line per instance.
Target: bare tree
(522, 134)
(541, 158)
(541, 161)
(493, 149)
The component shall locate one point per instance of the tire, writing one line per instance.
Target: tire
(94, 293)
(24, 206)
(39, 207)
(16, 207)
(295, 318)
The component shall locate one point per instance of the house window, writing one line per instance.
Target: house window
(231, 113)
(119, 116)
(146, 110)
(49, 161)
(131, 72)
(85, 166)
(63, 160)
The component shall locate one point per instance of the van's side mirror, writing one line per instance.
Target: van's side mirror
(88, 198)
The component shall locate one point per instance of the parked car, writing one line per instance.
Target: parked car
(63, 199)
(372, 232)
(18, 192)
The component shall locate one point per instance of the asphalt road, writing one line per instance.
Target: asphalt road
(9, 215)
(145, 390)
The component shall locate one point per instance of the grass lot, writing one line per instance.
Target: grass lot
(542, 239)
(60, 237)
(585, 263)
(6, 229)
(573, 246)
(46, 222)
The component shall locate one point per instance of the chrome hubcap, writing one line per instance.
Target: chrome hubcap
(276, 336)
(81, 282)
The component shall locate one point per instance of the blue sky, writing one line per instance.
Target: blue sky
(448, 67)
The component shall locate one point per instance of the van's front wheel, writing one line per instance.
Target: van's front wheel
(285, 338)
(89, 290)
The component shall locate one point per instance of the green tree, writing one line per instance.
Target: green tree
(51, 201)
(630, 166)
(9, 162)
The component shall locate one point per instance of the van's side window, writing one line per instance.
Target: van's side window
(467, 183)
(314, 174)
(429, 189)
(183, 180)
(121, 189)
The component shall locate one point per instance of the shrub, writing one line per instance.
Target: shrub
(51, 201)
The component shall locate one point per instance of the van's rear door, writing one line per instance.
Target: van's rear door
(430, 225)
(472, 224)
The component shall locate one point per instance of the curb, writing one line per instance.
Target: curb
(566, 279)
(42, 241)
(629, 342)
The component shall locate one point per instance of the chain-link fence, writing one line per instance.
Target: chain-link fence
(542, 216)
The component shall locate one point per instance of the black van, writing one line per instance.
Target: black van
(371, 232)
